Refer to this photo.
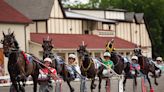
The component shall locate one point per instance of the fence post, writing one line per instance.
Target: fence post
(83, 87)
(108, 85)
(120, 84)
(58, 86)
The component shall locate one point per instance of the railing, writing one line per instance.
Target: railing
(104, 33)
(8, 82)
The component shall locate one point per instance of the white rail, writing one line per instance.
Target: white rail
(8, 83)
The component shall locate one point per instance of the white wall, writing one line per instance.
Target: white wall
(41, 26)
(32, 27)
(115, 15)
(35, 49)
(56, 10)
(65, 26)
(123, 31)
(95, 13)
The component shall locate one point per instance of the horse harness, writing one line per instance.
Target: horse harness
(87, 68)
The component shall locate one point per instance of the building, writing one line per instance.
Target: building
(11, 19)
(69, 27)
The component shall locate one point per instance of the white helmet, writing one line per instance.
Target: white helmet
(72, 56)
(107, 54)
(159, 59)
(48, 59)
(135, 57)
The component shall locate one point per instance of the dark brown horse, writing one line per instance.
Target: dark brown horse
(120, 65)
(87, 65)
(147, 66)
(18, 67)
(88, 69)
(58, 62)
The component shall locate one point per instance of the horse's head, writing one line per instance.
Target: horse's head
(137, 51)
(9, 43)
(82, 50)
(47, 44)
(47, 47)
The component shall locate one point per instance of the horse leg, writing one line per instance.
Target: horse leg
(155, 79)
(14, 87)
(135, 80)
(93, 86)
(35, 80)
(124, 83)
(100, 80)
(21, 87)
(71, 88)
(149, 81)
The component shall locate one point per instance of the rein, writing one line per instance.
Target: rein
(86, 69)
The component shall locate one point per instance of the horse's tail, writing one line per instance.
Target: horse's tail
(64, 72)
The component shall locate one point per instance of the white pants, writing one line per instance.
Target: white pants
(106, 73)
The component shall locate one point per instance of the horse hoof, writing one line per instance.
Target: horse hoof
(156, 83)
(72, 90)
(124, 88)
(93, 86)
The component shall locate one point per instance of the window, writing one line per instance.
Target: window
(1, 63)
(121, 53)
(109, 27)
(62, 55)
(127, 53)
(86, 32)
(97, 54)
(1, 57)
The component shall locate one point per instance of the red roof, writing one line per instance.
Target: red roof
(74, 40)
(9, 15)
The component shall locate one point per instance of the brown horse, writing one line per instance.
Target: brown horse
(119, 62)
(147, 66)
(18, 67)
(87, 65)
(89, 70)
(58, 62)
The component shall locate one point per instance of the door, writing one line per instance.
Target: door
(1, 62)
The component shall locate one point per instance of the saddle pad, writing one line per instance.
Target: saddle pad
(26, 57)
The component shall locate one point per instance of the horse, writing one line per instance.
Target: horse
(58, 63)
(87, 65)
(88, 69)
(147, 66)
(18, 67)
(121, 64)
